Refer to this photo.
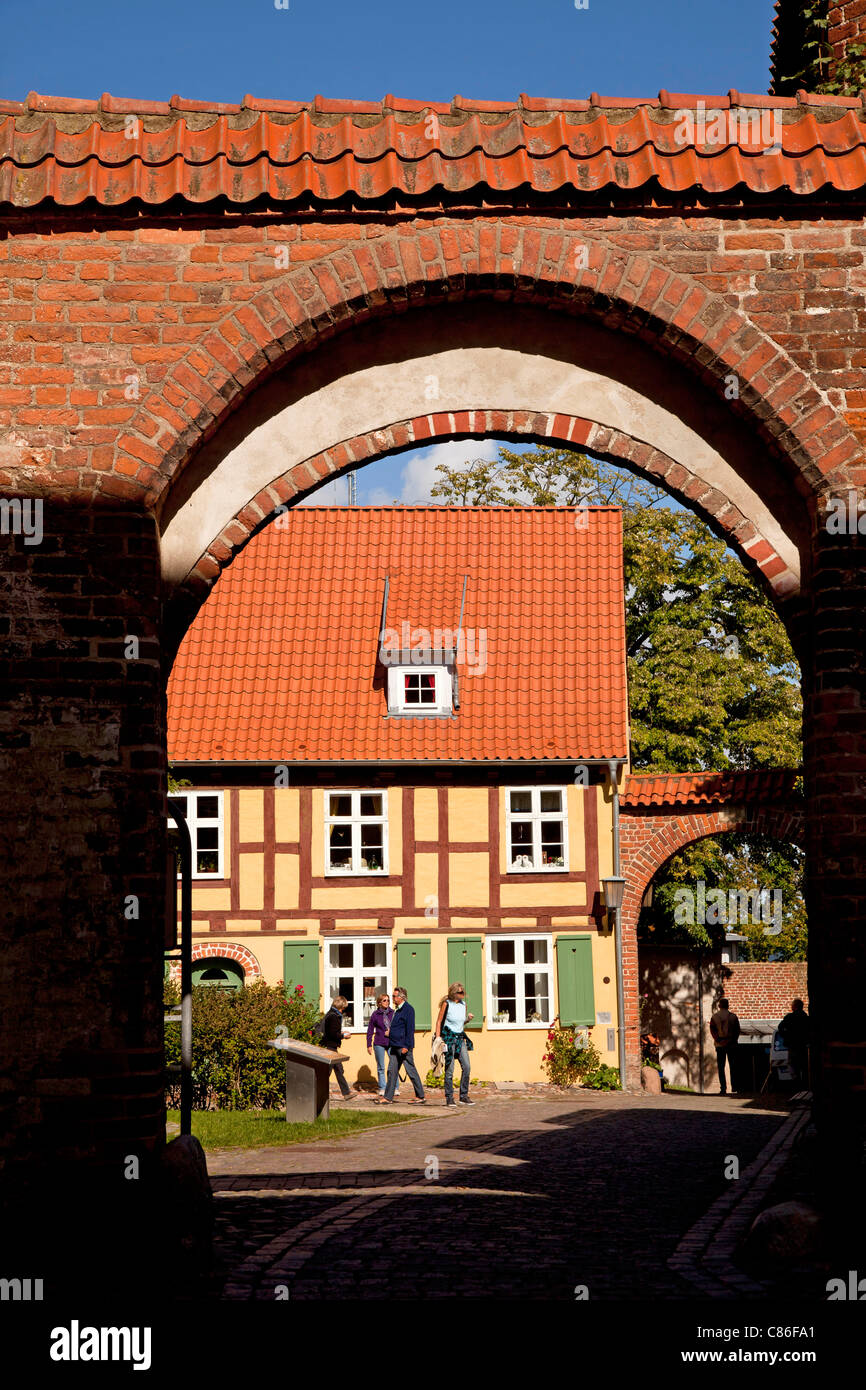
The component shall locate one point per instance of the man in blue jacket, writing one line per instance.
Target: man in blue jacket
(401, 1041)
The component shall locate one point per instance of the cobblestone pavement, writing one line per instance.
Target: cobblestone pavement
(517, 1197)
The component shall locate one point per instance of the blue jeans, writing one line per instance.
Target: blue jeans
(381, 1055)
(407, 1060)
(460, 1055)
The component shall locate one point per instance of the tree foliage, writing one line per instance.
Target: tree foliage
(817, 70)
(713, 681)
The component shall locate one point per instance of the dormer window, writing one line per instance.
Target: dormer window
(420, 690)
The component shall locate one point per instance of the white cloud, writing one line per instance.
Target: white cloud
(419, 467)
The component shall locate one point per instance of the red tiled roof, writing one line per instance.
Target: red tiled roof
(280, 664)
(650, 789)
(69, 149)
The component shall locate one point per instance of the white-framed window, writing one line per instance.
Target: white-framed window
(519, 981)
(420, 690)
(537, 829)
(356, 832)
(360, 969)
(204, 817)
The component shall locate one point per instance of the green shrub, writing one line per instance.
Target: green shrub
(232, 1066)
(572, 1060)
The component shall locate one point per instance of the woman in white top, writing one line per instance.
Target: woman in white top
(451, 1028)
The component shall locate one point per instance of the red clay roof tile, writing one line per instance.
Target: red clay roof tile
(648, 790)
(281, 662)
(331, 148)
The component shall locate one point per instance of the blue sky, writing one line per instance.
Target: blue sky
(217, 50)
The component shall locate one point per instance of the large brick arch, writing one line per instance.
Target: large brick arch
(535, 264)
(303, 308)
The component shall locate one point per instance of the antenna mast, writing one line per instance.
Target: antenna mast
(353, 489)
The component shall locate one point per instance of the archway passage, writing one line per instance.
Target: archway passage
(147, 341)
(661, 813)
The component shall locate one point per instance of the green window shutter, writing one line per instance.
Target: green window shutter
(301, 967)
(413, 973)
(464, 963)
(574, 977)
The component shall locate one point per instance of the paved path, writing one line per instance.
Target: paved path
(515, 1197)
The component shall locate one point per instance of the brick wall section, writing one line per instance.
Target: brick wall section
(846, 25)
(764, 989)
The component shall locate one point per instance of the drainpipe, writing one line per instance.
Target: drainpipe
(613, 767)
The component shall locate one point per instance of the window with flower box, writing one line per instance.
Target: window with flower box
(356, 832)
(519, 981)
(537, 829)
(360, 970)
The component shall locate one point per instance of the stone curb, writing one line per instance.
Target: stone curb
(705, 1255)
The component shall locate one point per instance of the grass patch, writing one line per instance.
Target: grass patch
(253, 1129)
(680, 1090)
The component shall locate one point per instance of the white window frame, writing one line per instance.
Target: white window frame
(520, 970)
(194, 821)
(332, 972)
(397, 689)
(536, 816)
(356, 820)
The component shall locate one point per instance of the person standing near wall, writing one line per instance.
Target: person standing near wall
(332, 1038)
(795, 1029)
(451, 1028)
(725, 1028)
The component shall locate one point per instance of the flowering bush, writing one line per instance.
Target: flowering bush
(572, 1060)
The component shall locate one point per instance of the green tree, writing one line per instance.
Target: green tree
(816, 70)
(713, 681)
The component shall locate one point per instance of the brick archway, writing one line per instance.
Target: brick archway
(539, 264)
(223, 950)
(661, 814)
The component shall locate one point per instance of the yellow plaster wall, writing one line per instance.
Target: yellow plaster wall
(469, 880)
(574, 801)
(360, 895)
(208, 899)
(467, 813)
(554, 892)
(287, 803)
(286, 880)
(251, 819)
(426, 879)
(252, 881)
(426, 813)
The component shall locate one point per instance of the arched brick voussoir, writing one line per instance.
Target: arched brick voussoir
(559, 267)
(520, 425)
(222, 950)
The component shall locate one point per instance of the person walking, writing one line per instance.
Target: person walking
(796, 1029)
(332, 1037)
(377, 1037)
(451, 1028)
(401, 1043)
(725, 1028)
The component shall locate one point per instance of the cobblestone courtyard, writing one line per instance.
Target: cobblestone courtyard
(517, 1197)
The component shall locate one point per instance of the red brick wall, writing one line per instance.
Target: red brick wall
(764, 989)
(846, 25)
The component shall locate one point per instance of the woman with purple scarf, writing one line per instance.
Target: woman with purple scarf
(377, 1035)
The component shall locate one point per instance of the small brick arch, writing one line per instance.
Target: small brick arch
(223, 950)
(653, 828)
(457, 260)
